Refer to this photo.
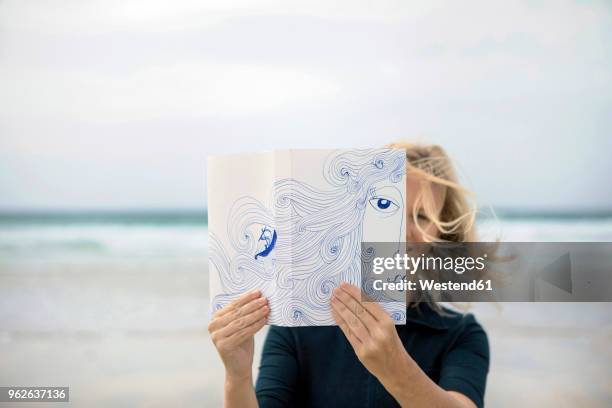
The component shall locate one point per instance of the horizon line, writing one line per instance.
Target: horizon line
(502, 211)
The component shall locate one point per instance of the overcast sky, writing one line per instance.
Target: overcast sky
(116, 104)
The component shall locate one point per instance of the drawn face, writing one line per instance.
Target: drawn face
(384, 212)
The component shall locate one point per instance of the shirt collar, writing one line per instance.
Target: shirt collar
(424, 315)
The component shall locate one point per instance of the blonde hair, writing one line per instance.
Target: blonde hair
(455, 221)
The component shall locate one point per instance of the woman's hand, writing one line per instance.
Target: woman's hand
(371, 332)
(231, 330)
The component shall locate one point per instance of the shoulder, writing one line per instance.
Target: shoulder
(453, 328)
(466, 353)
(441, 318)
(460, 321)
(468, 331)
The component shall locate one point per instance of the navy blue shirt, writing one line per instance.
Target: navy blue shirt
(317, 367)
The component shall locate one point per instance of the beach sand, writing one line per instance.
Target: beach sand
(131, 333)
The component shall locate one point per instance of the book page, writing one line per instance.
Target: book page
(302, 237)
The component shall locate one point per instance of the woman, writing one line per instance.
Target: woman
(439, 358)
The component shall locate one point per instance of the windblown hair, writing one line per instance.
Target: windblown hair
(456, 220)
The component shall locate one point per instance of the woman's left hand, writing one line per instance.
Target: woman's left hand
(371, 332)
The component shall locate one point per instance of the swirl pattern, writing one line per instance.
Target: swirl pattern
(319, 238)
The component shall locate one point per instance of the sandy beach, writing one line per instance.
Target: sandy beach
(118, 339)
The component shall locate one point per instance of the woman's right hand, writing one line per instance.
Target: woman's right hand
(231, 330)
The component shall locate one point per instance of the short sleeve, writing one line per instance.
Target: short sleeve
(466, 365)
(278, 370)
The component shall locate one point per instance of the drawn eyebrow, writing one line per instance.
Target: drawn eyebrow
(388, 191)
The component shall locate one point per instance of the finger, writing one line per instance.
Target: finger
(241, 336)
(355, 325)
(352, 339)
(243, 322)
(237, 312)
(372, 307)
(252, 306)
(242, 300)
(357, 308)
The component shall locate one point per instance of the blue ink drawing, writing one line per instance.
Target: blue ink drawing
(300, 246)
(269, 238)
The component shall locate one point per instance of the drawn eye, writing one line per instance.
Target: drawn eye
(384, 205)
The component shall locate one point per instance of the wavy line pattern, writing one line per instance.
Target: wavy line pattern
(319, 239)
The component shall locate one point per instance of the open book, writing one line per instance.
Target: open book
(291, 223)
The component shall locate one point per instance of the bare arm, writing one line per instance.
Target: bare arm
(410, 386)
(231, 330)
(239, 393)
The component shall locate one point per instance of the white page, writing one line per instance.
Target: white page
(291, 223)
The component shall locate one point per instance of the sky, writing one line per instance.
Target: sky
(116, 104)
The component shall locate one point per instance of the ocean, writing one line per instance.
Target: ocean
(183, 235)
(115, 305)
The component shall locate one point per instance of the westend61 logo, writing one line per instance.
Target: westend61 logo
(488, 271)
(425, 268)
(428, 267)
(412, 264)
(436, 271)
